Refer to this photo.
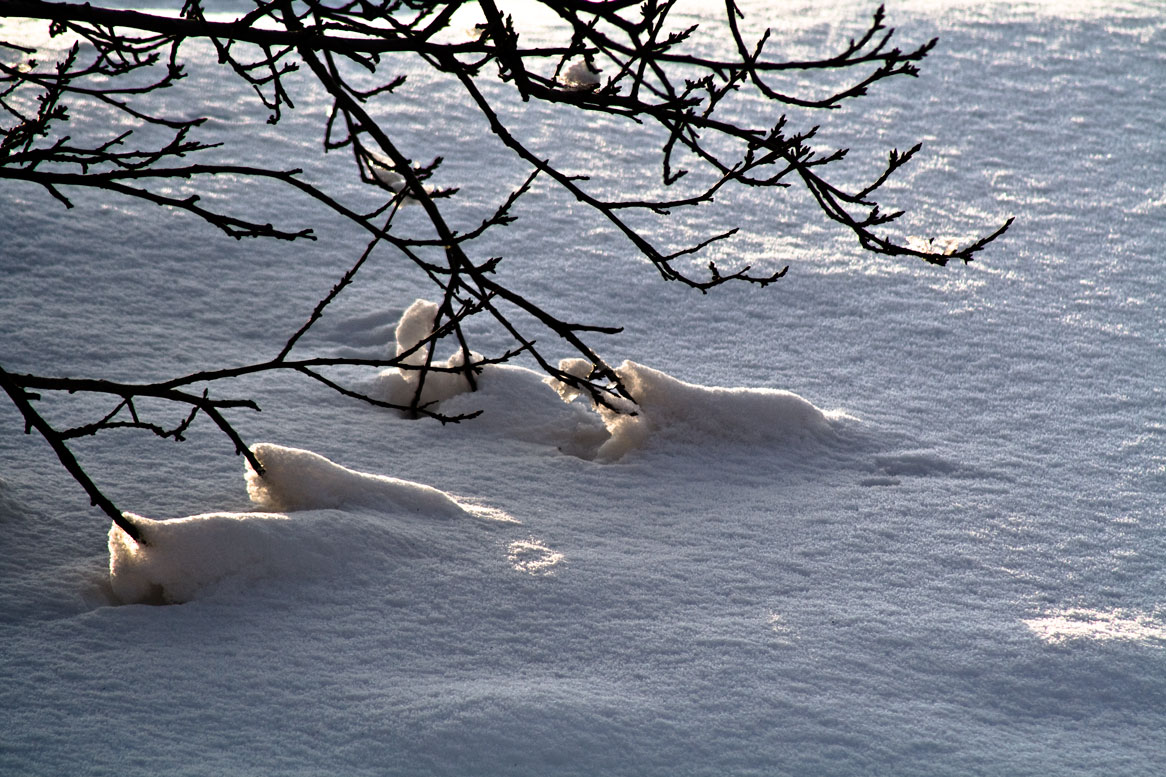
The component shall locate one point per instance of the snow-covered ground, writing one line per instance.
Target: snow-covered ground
(944, 553)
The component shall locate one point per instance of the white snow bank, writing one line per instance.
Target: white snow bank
(296, 479)
(669, 408)
(513, 401)
(516, 402)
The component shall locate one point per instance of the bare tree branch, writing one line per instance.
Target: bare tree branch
(719, 114)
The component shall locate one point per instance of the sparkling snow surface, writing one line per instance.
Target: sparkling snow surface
(944, 553)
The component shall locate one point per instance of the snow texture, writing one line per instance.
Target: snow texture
(958, 573)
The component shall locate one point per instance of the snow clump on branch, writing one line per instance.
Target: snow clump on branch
(399, 386)
(579, 77)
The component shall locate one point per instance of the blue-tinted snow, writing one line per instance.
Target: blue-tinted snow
(965, 578)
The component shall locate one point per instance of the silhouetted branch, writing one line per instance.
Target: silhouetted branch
(719, 115)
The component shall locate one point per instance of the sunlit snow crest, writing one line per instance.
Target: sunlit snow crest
(1079, 623)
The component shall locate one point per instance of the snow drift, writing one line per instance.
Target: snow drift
(185, 558)
(182, 559)
(515, 401)
(688, 413)
(400, 386)
(296, 479)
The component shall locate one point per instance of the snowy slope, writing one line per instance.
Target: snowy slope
(920, 528)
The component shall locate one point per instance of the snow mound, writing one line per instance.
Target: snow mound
(515, 401)
(400, 386)
(296, 479)
(184, 558)
(669, 408)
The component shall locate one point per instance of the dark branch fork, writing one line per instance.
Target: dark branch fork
(640, 71)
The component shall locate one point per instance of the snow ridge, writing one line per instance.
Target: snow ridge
(296, 479)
